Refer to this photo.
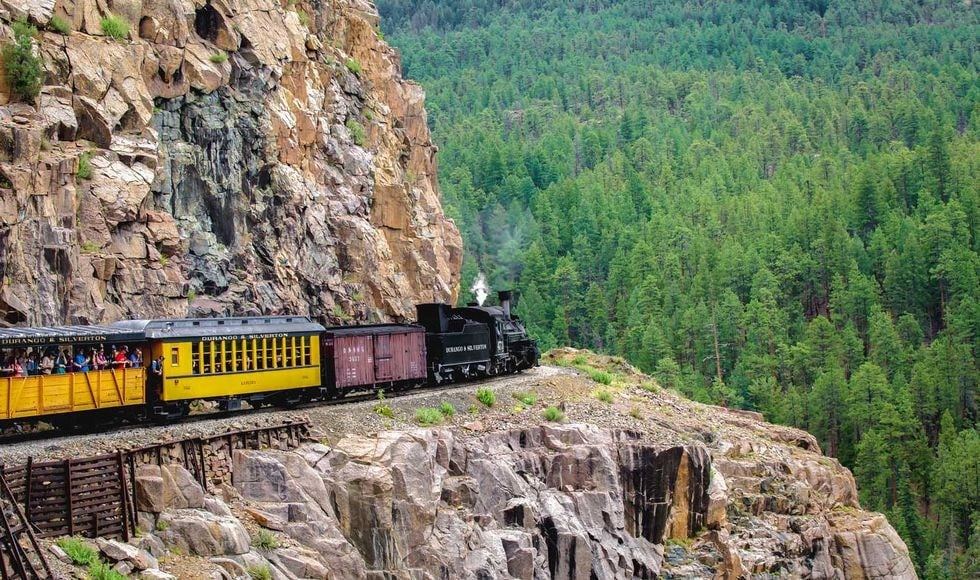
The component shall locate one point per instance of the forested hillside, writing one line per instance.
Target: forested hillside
(769, 204)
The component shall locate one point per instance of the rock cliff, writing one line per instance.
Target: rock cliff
(649, 485)
(223, 156)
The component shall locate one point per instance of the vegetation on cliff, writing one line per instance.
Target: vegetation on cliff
(772, 205)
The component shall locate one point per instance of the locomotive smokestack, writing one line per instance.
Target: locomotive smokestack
(505, 296)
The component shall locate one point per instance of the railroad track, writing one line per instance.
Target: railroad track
(54, 435)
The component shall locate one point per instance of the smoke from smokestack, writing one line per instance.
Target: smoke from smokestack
(480, 288)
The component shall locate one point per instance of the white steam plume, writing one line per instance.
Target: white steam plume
(480, 288)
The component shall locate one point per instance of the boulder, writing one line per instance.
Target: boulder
(202, 533)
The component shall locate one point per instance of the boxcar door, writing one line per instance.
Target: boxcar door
(383, 358)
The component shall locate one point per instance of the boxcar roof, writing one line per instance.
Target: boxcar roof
(223, 328)
(373, 329)
(46, 335)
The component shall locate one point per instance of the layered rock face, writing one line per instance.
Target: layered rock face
(563, 502)
(536, 502)
(246, 156)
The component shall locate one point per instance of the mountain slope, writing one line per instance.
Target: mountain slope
(770, 205)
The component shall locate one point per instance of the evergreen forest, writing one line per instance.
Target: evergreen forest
(767, 204)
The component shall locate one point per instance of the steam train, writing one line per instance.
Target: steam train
(261, 360)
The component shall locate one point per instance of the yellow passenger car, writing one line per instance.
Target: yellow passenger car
(262, 359)
(68, 374)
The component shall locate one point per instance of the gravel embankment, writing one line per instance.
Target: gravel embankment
(328, 420)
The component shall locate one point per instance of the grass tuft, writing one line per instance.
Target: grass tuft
(256, 572)
(446, 409)
(427, 416)
(265, 540)
(526, 399)
(353, 66)
(553, 414)
(356, 131)
(115, 27)
(78, 550)
(604, 396)
(101, 571)
(219, 57)
(384, 410)
(84, 166)
(486, 396)
(59, 25)
(601, 377)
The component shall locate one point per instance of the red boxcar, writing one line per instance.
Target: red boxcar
(373, 356)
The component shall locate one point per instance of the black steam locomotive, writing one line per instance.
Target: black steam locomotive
(475, 341)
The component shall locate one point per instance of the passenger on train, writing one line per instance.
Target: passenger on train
(99, 361)
(136, 358)
(62, 363)
(47, 363)
(82, 362)
(120, 360)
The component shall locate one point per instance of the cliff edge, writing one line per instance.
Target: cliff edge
(219, 157)
(558, 477)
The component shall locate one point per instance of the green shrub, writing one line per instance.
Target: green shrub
(384, 411)
(81, 553)
(102, 571)
(356, 131)
(304, 18)
(553, 414)
(472, 409)
(259, 572)
(161, 525)
(25, 70)
(446, 409)
(115, 27)
(353, 66)
(59, 25)
(265, 540)
(219, 57)
(84, 166)
(486, 396)
(579, 360)
(527, 399)
(428, 416)
(90, 247)
(604, 396)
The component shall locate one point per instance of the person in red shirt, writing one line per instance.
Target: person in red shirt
(121, 359)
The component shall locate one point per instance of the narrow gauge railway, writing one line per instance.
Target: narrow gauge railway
(52, 438)
(156, 368)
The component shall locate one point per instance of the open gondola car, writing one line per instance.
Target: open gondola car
(69, 396)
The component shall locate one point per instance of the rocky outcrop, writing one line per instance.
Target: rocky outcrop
(552, 501)
(228, 156)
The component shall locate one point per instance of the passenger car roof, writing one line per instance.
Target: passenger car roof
(222, 328)
(66, 335)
